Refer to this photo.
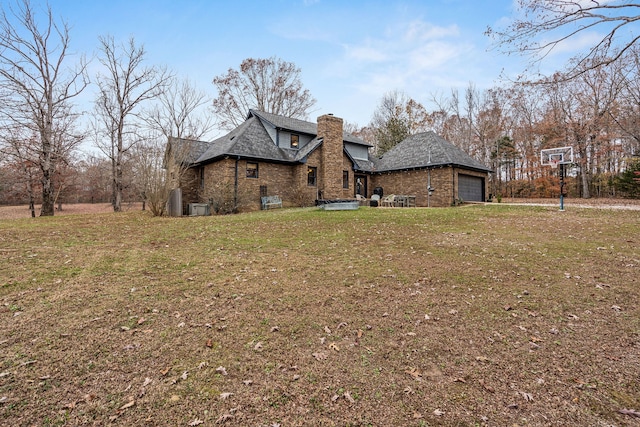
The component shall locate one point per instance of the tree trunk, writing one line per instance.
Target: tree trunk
(47, 194)
(586, 193)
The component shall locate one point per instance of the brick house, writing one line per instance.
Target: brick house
(302, 162)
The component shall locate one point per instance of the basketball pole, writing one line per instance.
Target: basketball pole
(561, 187)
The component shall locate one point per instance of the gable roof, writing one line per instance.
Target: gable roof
(301, 126)
(249, 140)
(252, 140)
(426, 150)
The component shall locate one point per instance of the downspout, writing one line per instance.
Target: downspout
(428, 188)
(235, 187)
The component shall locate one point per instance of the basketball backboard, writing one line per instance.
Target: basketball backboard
(555, 156)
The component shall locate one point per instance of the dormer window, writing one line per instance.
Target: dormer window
(295, 141)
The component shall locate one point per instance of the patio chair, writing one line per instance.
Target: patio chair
(388, 200)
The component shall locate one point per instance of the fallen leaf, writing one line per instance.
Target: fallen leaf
(438, 412)
(184, 375)
(275, 329)
(320, 356)
(258, 346)
(341, 325)
(482, 359)
(487, 387)
(327, 330)
(141, 320)
(165, 371)
(128, 405)
(630, 412)
(526, 396)
(225, 396)
(146, 382)
(221, 370)
(415, 373)
(408, 390)
(453, 311)
(224, 417)
(347, 396)
(196, 422)
(209, 343)
(335, 397)
(247, 382)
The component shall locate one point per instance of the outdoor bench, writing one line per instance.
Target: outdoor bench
(271, 201)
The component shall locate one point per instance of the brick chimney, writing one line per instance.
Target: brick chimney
(330, 173)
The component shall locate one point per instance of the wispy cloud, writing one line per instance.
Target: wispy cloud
(406, 56)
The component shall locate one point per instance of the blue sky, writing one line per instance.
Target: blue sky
(350, 52)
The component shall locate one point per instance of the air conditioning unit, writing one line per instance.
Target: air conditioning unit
(198, 209)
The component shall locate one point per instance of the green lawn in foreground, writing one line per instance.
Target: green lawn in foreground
(496, 315)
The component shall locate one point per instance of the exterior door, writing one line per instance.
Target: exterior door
(360, 185)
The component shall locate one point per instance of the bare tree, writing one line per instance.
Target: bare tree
(396, 117)
(126, 84)
(542, 26)
(38, 88)
(16, 150)
(271, 85)
(175, 123)
(180, 112)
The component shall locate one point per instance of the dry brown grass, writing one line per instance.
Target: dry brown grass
(479, 315)
(22, 211)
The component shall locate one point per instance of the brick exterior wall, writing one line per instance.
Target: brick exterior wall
(414, 183)
(332, 149)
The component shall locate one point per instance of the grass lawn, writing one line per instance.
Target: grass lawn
(478, 315)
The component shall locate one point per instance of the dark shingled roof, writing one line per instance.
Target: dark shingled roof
(249, 140)
(426, 150)
(191, 147)
(300, 126)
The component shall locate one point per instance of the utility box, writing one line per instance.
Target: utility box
(198, 209)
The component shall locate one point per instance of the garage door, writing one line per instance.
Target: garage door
(470, 188)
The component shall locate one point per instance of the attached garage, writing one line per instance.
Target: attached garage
(470, 188)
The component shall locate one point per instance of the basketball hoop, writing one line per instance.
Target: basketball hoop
(554, 163)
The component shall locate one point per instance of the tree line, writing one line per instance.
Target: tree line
(593, 105)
